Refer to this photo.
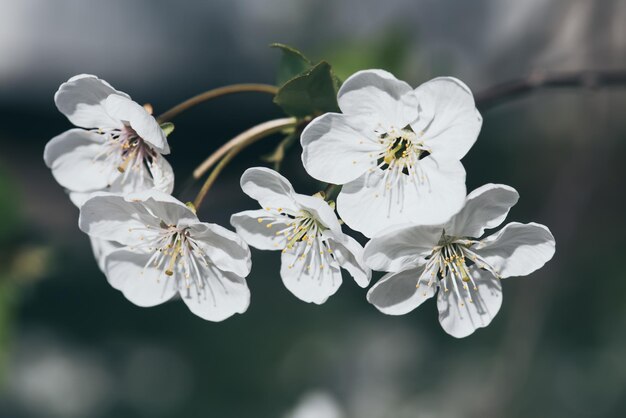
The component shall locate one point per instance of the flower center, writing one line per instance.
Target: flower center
(127, 151)
(297, 226)
(174, 250)
(449, 264)
(300, 227)
(401, 150)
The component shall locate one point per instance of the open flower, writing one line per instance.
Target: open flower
(466, 270)
(118, 146)
(396, 150)
(167, 251)
(307, 231)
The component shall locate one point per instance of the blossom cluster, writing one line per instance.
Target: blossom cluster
(394, 151)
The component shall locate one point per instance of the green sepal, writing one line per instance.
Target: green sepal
(292, 63)
(311, 93)
(191, 206)
(168, 128)
(278, 154)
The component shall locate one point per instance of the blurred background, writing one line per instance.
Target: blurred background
(72, 346)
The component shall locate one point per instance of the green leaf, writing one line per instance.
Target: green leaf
(168, 128)
(292, 63)
(311, 93)
(278, 154)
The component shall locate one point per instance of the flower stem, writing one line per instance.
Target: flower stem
(331, 191)
(230, 149)
(211, 94)
(251, 135)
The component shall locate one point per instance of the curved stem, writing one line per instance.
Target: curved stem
(211, 94)
(230, 149)
(251, 135)
(508, 90)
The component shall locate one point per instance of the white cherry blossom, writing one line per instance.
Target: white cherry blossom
(450, 258)
(306, 230)
(168, 251)
(395, 149)
(116, 147)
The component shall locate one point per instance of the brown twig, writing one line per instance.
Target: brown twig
(508, 90)
(211, 94)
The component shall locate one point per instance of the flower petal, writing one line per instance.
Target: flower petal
(164, 206)
(313, 278)
(140, 282)
(401, 246)
(334, 152)
(455, 122)
(111, 217)
(224, 248)
(349, 255)
(259, 234)
(485, 208)
(320, 209)
(269, 188)
(517, 249)
(162, 175)
(397, 294)
(459, 317)
(101, 250)
(378, 98)
(82, 98)
(159, 176)
(75, 160)
(221, 295)
(369, 206)
(146, 126)
(79, 198)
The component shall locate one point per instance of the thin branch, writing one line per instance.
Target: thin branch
(211, 94)
(250, 135)
(232, 148)
(506, 91)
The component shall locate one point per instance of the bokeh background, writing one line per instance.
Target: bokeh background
(71, 346)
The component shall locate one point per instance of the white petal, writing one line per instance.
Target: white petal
(367, 206)
(82, 98)
(455, 122)
(159, 176)
(401, 246)
(162, 175)
(334, 152)
(258, 234)
(485, 208)
(73, 159)
(517, 249)
(378, 98)
(320, 209)
(101, 250)
(221, 295)
(398, 294)
(164, 206)
(269, 188)
(113, 218)
(126, 110)
(224, 248)
(140, 282)
(349, 255)
(460, 318)
(79, 198)
(312, 279)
